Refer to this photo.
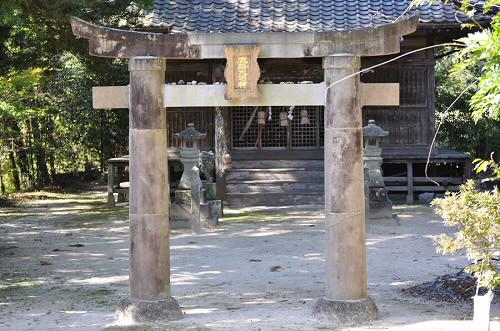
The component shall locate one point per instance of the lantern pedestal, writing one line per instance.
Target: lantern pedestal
(379, 207)
(190, 157)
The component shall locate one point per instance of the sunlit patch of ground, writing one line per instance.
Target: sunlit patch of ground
(64, 265)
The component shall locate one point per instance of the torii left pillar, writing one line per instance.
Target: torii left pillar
(150, 299)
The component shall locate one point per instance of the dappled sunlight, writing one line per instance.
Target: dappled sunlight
(191, 247)
(193, 311)
(381, 239)
(21, 284)
(99, 280)
(190, 278)
(260, 265)
(74, 312)
(263, 232)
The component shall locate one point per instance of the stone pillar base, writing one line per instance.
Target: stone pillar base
(346, 312)
(143, 311)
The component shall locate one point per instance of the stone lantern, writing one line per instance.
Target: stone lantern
(379, 206)
(373, 134)
(190, 154)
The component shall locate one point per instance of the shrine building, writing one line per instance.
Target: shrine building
(281, 161)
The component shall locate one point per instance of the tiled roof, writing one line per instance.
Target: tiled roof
(289, 15)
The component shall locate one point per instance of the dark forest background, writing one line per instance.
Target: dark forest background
(48, 129)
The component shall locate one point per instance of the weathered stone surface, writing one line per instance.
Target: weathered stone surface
(139, 311)
(207, 165)
(345, 256)
(344, 181)
(380, 40)
(210, 191)
(190, 157)
(149, 181)
(147, 81)
(149, 253)
(343, 97)
(182, 197)
(346, 312)
(379, 206)
(195, 200)
(149, 257)
(346, 277)
(180, 216)
(108, 42)
(210, 213)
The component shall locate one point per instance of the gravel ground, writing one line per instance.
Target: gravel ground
(63, 265)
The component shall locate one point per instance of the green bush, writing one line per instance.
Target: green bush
(476, 217)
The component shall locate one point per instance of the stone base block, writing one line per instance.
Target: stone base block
(142, 311)
(382, 218)
(180, 214)
(346, 312)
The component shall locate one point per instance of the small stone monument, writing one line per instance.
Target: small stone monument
(379, 207)
(190, 153)
(189, 207)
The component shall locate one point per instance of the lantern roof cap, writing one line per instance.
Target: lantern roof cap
(190, 134)
(373, 130)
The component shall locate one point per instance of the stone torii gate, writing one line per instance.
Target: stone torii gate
(346, 299)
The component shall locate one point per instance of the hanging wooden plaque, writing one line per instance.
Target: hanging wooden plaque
(242, 72)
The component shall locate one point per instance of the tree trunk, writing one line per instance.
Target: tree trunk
(49, 128)
(18, 147)
(42, 172)
(482, 305)
(14, 172)
(23, 155)
(2, 183)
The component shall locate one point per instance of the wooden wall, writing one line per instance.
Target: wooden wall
(410, 125)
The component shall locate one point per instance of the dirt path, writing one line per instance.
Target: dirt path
(63, 265)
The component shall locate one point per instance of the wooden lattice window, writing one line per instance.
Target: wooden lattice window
(203, 119)
(306, 135)
(413, 87)
(275, 136)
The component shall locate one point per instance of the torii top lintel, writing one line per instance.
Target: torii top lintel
(115, 43)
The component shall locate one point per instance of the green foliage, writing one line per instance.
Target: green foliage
(483, 49)
(487, 166)
(476, 217)
(458, 130)
(18, 92)
(47, 124)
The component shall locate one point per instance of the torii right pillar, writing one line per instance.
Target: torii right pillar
(346, 299)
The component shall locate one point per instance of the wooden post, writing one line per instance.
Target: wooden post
(221, 149)
(111, 178)
(150, 298)
(409, 173)
(195, 200)
(346, 299)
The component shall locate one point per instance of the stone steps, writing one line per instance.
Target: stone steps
(272, 199)
(270, 164)
(310, 176)
(276, 187)
(275, 182)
